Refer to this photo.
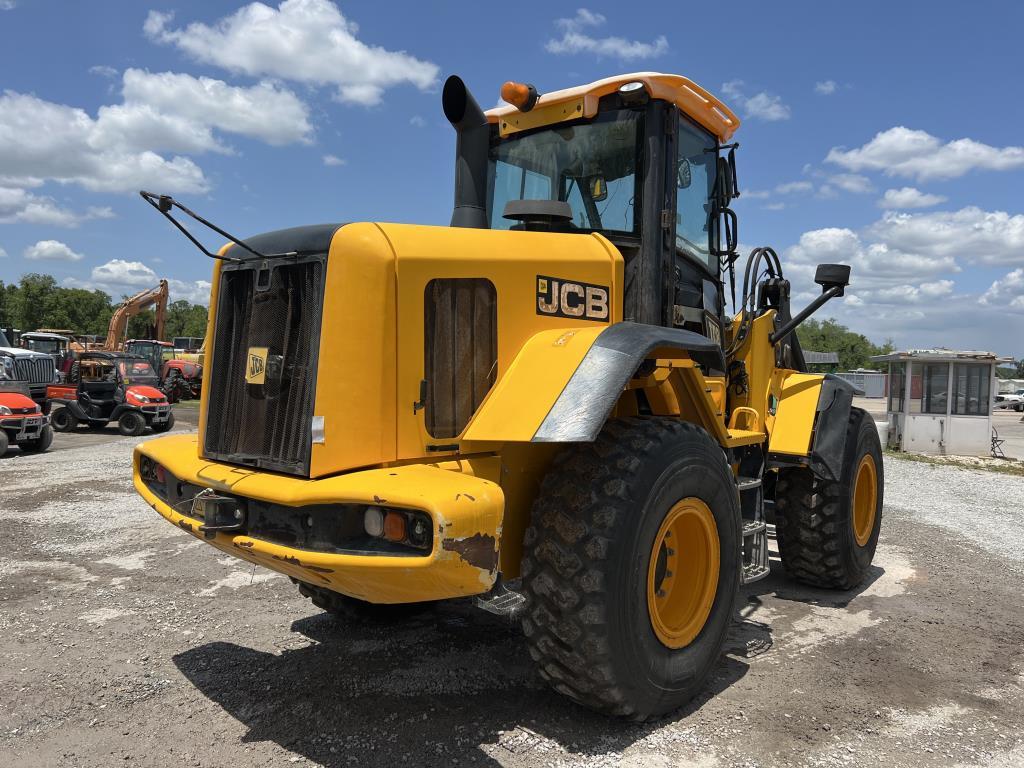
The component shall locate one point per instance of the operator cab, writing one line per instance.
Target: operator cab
(639, 170)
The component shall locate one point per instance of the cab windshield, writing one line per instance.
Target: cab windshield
(591, 166)
(47, 346)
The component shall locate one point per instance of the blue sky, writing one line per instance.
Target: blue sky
(885, 135)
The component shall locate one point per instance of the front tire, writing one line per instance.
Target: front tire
(40, 444)
(621, 617)
(828, 530)
(63, 420)
(131, 424)
(5, 442)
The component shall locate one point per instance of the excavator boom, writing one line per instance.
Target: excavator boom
(152, 297)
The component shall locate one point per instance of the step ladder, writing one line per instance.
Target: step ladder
(755, 529)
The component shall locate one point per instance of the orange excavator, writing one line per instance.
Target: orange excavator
(153, 297)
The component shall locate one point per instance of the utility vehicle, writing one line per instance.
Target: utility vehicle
(108, 386)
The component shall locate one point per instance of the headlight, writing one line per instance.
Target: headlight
(6, 368)
(140, 398)
(4, 410)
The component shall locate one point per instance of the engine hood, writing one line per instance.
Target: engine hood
(19, 352)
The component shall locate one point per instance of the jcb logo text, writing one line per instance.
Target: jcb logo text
(567, 298)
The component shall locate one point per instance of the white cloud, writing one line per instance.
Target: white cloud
(985, 237)
(793, 186)
(334, 160)
(7, 5)
(826, 87)
(904, 280)
(1007, 292)
(41, 140)
(575, 39)
(18, 205)
(103, 71)
(901, 151)
(118, 278)
(265, 111)
(761, 106)
(909, 197)
(118, 149)
(133, 274)
(852, 182)
(51, 250)
(3, 253)
(307, 41)
(416, 121)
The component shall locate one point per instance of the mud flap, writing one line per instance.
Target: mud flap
(830, 424)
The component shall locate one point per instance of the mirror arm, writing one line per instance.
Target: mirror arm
(810, 309)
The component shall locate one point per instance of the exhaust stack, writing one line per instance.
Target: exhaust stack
(471, 146)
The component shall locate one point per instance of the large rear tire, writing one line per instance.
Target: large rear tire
(828, 530)
(632, 567)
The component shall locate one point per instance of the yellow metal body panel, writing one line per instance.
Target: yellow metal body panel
(355, 383)
(695, 101)
(461, 497)
(794, 420)
(522, 397)
(511, 261)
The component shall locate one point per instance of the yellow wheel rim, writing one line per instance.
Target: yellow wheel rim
(682, 576)
(865, 499)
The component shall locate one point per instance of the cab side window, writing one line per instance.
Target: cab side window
(695, 183)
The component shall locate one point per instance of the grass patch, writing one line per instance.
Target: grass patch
(986, 464)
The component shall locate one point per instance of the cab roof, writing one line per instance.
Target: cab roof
(582, 101)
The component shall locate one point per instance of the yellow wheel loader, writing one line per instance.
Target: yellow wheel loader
(544, 406)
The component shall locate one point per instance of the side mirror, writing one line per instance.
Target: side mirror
(598, 189)
(830, 276)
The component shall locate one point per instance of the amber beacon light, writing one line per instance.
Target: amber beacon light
(522, 96)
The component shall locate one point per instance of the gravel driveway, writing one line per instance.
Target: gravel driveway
(124, 641)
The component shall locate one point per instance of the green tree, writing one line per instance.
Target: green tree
(185, 319)
(32, 300)
(854, 349)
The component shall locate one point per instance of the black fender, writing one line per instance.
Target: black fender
(589, 396)
(830, 425)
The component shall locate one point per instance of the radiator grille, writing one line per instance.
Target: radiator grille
(461, 335)
(36, 370)
(276, 306)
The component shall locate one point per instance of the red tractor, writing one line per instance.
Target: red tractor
(22, 423)
(110, 386)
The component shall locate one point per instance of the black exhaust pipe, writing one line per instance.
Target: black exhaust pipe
(471, 147)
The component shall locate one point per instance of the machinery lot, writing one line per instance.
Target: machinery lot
(125, 641)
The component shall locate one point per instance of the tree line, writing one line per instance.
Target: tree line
(854, 349)
(36, 301)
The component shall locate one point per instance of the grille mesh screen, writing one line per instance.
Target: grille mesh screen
(266, 425)
(461, 335)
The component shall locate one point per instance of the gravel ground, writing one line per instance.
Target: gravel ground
(124, 641)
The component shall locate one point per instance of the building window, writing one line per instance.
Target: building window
(971, 389)
(929, 388)
(461, 348)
